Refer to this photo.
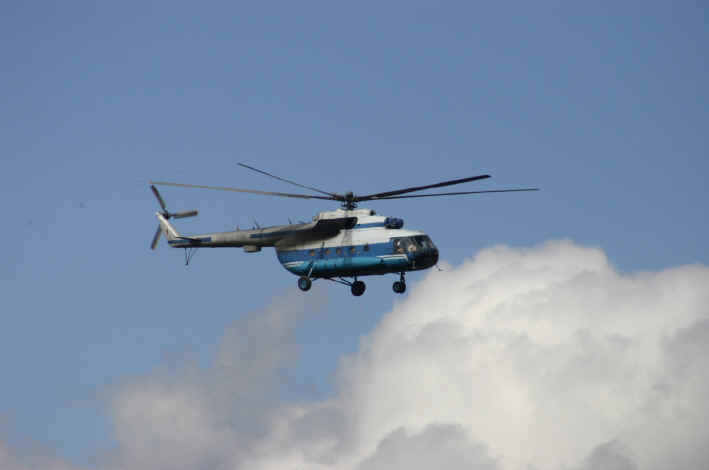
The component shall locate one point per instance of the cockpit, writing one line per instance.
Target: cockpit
(417, 243)
(419, 250)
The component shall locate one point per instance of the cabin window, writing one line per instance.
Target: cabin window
(327, 251)
(311, 252)
(366, 247)
(338, 251)
(352, 249)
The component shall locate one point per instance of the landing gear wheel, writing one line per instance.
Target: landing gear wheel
(304, 283)
(358, 288)
(399, 287)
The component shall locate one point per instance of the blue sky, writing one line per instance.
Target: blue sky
(603, 106)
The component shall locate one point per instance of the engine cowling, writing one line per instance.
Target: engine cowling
(393, 222)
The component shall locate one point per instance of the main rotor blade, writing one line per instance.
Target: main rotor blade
(418, 188)
(182, 215)
(239, 190)
(289, 181)
(461, 193)
(154, 243)
(159, 198)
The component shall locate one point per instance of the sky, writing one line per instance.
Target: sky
(583, 302)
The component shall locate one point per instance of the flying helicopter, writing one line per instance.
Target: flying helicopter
(338, 245)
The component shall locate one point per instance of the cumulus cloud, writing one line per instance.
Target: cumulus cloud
(205, 418)
(542, 354)
(608, 456)
(543, 358)
(437, 446)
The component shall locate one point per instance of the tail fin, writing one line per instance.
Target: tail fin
(167, 228)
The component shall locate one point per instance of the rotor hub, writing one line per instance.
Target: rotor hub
(349, 202)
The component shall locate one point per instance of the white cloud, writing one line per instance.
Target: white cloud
(202, 418)
(541, 354)
(608, 456)
(437, 446)
(544, 358)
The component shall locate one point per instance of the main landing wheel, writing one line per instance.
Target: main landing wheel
(304, 284)
(358, 288)
(399, 287)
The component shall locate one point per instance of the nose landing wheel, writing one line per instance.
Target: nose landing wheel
(400, 285)
(304, 283)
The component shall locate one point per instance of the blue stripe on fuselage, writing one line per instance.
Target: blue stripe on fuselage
(350, 266)
(346, 260)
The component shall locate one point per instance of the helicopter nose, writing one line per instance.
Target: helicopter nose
(427, 258)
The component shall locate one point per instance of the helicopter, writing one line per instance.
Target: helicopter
(338, 245)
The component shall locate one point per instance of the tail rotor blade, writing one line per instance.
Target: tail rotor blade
(159, 197)
(182, 215)
(156, 238)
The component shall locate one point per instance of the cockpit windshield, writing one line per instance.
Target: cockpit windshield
(413, 244)
(424, 242)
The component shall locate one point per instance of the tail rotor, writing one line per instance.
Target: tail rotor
(167, 214)
(156, 238)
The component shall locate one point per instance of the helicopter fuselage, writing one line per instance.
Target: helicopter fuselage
(340, 243)
(374, 245)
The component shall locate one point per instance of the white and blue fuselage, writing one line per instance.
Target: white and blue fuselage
(375, 245)
(339, 243)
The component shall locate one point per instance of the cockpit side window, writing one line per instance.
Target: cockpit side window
(398, 246)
